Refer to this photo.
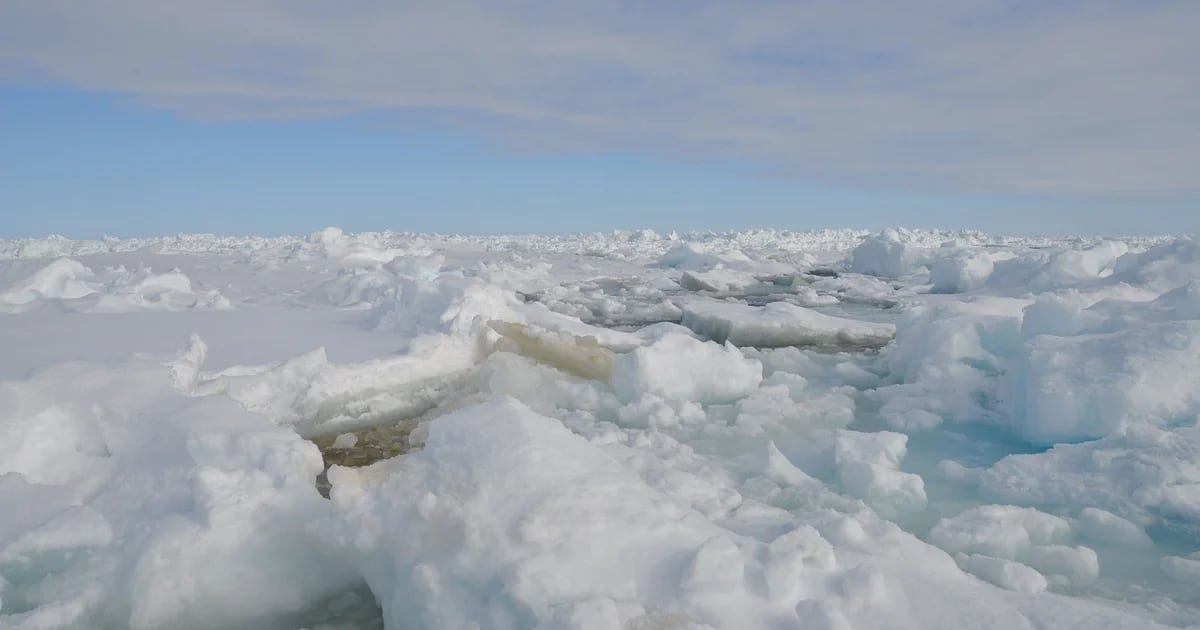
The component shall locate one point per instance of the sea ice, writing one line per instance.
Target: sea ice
(780, 324)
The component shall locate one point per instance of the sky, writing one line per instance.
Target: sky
(138, 117)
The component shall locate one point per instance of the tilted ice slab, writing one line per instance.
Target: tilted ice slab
(781, 324)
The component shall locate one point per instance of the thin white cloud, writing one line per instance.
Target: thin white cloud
(1015, 96)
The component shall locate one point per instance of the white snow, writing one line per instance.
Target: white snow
(757, 429)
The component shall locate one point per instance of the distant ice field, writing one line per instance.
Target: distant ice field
(761, 429)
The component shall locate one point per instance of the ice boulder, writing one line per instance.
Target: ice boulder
(884, 254)
(780, 324)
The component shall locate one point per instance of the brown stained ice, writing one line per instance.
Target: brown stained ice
(374, 444)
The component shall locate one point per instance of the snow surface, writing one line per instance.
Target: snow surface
(759, 429)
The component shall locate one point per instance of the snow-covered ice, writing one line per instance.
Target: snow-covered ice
(757, 429)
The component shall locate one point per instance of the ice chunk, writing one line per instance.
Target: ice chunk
(780, 324)
(582, 357)
(1003, 531)
(883, 254)
(961, 273)
(716, 568)
(1079, 564)
(350, 250)
(1070, 389)
(790, 556)
(696, 257)
(1183, 569)
(680, 367)
(869, 467)
(1163, 267)
(1142, 475)
(1013, 576)
(719, 281)
(1106, 527)
(344, 441)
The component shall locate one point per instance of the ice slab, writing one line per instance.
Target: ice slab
(780, 324)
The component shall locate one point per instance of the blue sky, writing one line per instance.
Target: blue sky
(125, 118)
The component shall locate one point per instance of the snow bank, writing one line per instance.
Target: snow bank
(780, 324)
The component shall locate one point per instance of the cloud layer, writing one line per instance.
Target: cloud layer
(1021, 96)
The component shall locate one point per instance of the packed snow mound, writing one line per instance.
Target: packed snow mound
(884, 254)
(143, 508)
(680, 367)
(780, 324)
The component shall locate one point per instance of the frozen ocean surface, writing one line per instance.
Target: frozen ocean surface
(759, 429)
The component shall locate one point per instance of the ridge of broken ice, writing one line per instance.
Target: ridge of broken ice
(572, 439)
